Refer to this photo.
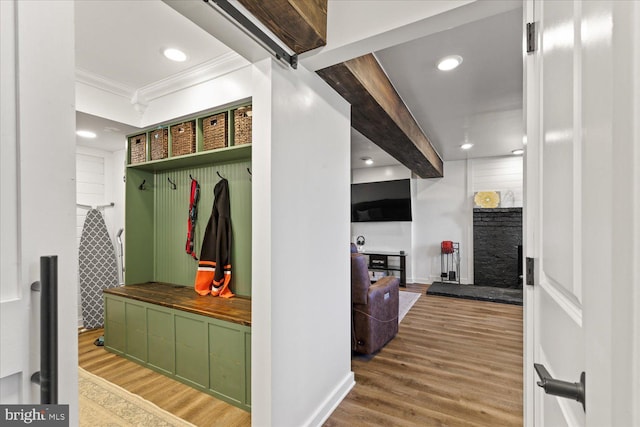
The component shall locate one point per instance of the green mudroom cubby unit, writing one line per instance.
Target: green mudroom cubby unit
(202, 351)
(208, 131)
(157, 216)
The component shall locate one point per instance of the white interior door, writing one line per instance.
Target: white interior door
(582, 210)
(37, 192)
(15, 298)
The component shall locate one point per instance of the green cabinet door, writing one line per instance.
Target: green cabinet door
(114, 325)
(247, 369)
(226, 361)
(160, 339)
(136, 328)
(191, 350)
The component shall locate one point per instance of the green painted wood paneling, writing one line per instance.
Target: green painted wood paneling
(139, 220)
(136, 327)
(247, 366)
(193, 342)
(114, 325)
(172, 263)
(160, 339)
(226, 361)
(191, 349)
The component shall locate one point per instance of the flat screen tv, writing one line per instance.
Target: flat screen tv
(381, 201)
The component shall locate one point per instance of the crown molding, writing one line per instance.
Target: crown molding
(201, 73)
(100, 82)
(141, 97)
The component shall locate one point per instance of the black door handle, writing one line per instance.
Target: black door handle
(575, 391)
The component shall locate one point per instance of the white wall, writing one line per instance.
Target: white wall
(442, 210)
(99, 182)
(502, 174)
(301, 358)
(42, 181)
(381, 173)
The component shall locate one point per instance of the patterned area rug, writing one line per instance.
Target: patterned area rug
(407, 299)
(105, 404)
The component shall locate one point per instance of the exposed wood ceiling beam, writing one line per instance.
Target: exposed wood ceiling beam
(378, 112)
(300, 24)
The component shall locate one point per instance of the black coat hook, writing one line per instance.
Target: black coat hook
(141, 186)
(191, 178)
(249, 170)
(173, 184)
(221, 177)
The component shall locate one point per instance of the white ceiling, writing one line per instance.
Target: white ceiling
(362, 147)
(119, 44)
(480, 101)
(110, 135)
(123, 41)
(119, 47)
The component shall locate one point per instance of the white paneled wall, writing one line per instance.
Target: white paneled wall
(99, 182)
(502, 174)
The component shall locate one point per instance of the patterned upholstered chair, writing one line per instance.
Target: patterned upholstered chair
(374, 308)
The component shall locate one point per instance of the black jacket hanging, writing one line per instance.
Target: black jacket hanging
(214, 267)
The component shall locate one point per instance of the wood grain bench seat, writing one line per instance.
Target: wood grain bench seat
(184, 298)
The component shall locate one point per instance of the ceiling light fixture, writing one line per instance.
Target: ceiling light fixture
(448, 63)
(367, 160)
(86, 134)
(466, 146)
(517, 151)
(175, 54)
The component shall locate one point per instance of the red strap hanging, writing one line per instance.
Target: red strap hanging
(193, 215)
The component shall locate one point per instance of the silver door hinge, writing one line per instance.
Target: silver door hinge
(531, 37)
(529, 273)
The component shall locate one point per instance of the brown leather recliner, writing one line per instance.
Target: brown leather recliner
(374, 308)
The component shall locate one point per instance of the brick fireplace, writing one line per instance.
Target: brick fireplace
(497, 247)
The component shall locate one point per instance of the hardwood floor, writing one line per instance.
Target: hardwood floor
(454, 363)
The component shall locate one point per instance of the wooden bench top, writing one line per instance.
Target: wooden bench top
(235, 310)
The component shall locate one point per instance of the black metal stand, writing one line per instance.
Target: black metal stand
(450, 264)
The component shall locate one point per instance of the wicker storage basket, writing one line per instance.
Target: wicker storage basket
(159, 140)
(242, 125)
(138, 148)
(183, 138)
(214, 130)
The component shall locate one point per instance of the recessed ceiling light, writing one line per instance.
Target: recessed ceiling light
(86, 134)
(367, 160)
(448, 63)
(175, 54)
(517, 152)
(466, 146)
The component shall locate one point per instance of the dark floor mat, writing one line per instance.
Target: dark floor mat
(480, 293)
